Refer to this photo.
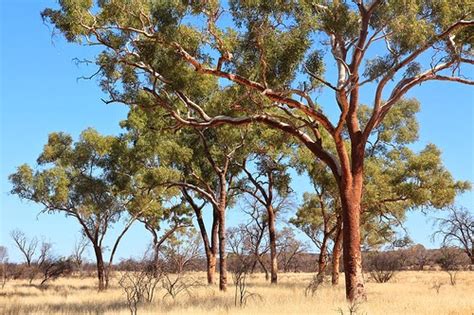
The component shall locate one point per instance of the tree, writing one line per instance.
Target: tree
(54, 268)
(77, 255)
(457, 228)
(74, 179)
(25, 246)
(180, 250)
(141, 170)
(451, 260)
(204, 167)
(269, 185)
(211, 175)
(289, 248)
(176, 222)
(397, 180)
(268, 61)
(319, 221)
(248, 241)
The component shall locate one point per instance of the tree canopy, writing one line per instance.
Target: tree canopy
(207, 63)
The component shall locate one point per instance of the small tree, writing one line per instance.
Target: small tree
(269, 183)
(420, 256)
(77, 256)
(289, 248)
(74, 179)
(53, 268)
(451, 260)
(26, 246)
(249, 242)
(382, 265)
(240, 275)
(457, 229)
(178, 252)
(318, 220)
(139, 285)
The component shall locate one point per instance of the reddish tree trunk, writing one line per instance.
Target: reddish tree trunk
(351, 198)
(273, 247)
(336, 252)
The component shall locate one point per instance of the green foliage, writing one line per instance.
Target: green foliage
(72, 178)
(396, 178)
(199, 60)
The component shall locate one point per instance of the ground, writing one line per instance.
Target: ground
(410, 292)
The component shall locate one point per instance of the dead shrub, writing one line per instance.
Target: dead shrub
(139, 286)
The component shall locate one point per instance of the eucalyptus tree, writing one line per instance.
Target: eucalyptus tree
(201, 164)
(397, 180)
(73, 178)
(266, 179)
(268, 59)
(212, 175)
(141, 166)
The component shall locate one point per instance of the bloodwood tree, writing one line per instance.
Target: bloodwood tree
(206, 63)
(397, 180)
(73, 178)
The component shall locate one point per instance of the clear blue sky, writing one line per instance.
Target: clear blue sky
(39, 94)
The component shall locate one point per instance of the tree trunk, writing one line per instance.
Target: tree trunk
(222, 252)
(273, 247)
(322, 259)
(101, 274)
(211, 268)
(209, 247)
(351, 198)
(336, 252)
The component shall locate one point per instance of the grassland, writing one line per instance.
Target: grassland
(409, 292)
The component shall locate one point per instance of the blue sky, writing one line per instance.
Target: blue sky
(40, 93)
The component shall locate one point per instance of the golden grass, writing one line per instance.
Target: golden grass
(409, 293)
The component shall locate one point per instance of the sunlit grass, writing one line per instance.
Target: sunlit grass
(409, 292)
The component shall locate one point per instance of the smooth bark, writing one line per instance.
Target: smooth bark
(352, 258)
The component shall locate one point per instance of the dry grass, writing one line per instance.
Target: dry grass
(408, 293)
